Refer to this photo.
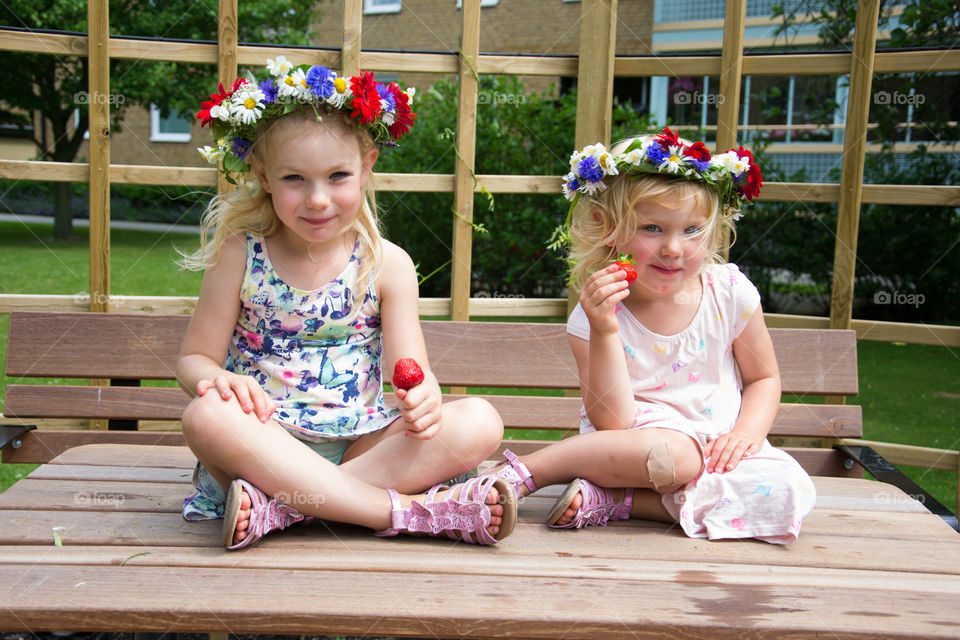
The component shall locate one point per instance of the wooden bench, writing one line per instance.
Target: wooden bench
(93, 540)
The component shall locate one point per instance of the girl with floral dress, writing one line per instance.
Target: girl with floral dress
(302, 305)
(679, 378)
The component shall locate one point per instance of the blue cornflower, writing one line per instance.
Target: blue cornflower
(320, 81)
(241, 147)
(389, 102)
(656, 154)
(269, 89)
(700, 165)
(573, 185)
(589, 170)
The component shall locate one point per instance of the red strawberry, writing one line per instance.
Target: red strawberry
(407, 374)
(625, 263)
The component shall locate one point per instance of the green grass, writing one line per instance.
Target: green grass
(910, 393)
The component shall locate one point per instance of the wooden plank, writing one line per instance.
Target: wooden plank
(115, 403)
(98, 66)
(98, 473)
(96, 496)
(158, 454)
(227, 41)
(67, 345)
(699, 603)
(731, 73)
(105, 529)
(851, 176)
(42, 446)
(352, 32)
(408, 62)
(463, 190)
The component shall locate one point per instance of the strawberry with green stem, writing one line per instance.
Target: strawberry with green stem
(625, 263)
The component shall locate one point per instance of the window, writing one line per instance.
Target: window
(382, 6)
(483, 3)
(174, 128)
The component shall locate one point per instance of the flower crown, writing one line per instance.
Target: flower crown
(235, 114)
(734, 174)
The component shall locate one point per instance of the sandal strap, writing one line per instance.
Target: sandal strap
(266, 515)
(465, 515)
(516, 472)
(599, 505)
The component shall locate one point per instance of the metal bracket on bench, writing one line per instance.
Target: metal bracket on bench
(881, 469)
(10, 434)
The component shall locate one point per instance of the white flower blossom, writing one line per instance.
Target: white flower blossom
(213, 155)
(246, 105)
(279, 67)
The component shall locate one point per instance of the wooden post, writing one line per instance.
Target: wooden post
(227, 40)
(466, 150)
(98, 87)
(597, 53)
(851, 177)
(352, 30)
(98, 101)
(731, 74)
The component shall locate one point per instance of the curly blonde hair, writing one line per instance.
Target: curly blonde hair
(249, 208)
(609, 217)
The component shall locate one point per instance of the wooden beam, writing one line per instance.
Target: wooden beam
(463, 189)
(731, 72)
(352, 32)
(851, 177)
(98, 19)
(227, 41)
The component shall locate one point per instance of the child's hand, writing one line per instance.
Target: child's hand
(726, 452)
(249, 394)
(601, 294)
(420, 408)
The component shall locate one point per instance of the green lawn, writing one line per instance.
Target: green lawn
(910, 393)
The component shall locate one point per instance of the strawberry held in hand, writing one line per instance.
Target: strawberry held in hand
(407, 374)
(625, 263)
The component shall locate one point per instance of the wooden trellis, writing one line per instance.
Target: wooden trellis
(596, 66)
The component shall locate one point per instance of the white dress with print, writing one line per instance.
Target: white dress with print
(688, 382)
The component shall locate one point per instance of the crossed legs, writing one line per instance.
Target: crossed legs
(232, 444)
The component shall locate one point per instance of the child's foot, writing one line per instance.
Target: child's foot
(249, 515)
(480, 511)
(243, 519)
(584, 503)
(516, 474)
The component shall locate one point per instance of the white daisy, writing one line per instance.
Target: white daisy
(279, 67)
(341, 93)
(294, 85)
(731, 162)
(213, 155)
(247, 104)
(673, 161)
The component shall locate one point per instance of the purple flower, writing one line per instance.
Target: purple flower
(656, 154)
(589, 170)
(320, 81)
(269, 91)
(700, 165)
(241, 147)
(389, 101)
(573, 185)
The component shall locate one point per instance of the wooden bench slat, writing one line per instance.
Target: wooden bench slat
(701, 603)
(114, 403)
(43, 445)
(484, 354)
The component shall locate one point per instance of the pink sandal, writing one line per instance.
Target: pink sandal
(598, 507)
(515, 473)
(266, 515)
(469, 515)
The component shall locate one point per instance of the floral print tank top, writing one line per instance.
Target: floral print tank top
(320, 367)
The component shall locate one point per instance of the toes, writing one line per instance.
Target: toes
(245, 501)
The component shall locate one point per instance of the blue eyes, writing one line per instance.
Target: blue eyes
(653, 228)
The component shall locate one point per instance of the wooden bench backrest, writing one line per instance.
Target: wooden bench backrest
(475, 354)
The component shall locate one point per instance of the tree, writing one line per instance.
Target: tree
(55, 86)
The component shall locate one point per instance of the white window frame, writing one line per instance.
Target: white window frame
(483, 3)
(160, 136)
(371, 7)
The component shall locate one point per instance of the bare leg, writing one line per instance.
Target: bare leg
(232, 444)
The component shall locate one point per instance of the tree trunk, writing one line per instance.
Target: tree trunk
(62, 216)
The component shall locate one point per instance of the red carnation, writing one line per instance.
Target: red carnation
(754, 179)
(366, 100)
(668, 138)
(215, 99)
(697, 151)
(404, 116)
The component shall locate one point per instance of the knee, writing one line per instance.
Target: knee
(672, 463)
(203, 419)
(484, 420)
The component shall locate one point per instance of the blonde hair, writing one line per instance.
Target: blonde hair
(249, 208)
(609, 217)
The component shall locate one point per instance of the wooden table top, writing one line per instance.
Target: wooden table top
(870, 563)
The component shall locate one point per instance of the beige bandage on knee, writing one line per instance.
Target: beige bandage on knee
(660, 466)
